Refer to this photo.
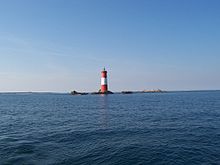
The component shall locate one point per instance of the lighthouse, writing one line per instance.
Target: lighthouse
(104, 84)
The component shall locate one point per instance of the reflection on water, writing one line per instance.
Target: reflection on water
(103, 100)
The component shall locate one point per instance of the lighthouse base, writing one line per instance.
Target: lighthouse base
(100, 92)
(108, 92)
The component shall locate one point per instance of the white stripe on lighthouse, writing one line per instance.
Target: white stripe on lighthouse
(103, 81)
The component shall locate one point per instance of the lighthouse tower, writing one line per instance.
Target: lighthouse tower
(104, 84)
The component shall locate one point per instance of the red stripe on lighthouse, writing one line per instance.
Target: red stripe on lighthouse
(104, 83)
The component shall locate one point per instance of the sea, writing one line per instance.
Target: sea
(172, 128)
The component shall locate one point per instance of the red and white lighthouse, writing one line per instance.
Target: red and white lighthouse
(104, 84)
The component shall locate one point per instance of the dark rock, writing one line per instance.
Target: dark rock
(78, 93)
(126, 92)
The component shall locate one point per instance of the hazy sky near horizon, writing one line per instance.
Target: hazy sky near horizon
(62, 45)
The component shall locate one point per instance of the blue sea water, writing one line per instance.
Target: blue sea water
(151, 128)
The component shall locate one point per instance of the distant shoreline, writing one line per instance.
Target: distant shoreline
(36, 92)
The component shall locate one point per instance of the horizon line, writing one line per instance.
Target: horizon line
(196, 90)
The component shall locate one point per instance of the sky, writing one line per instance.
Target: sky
(62, 45)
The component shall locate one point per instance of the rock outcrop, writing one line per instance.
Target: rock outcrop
(78, 93)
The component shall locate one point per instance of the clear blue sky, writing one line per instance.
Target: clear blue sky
(60, 45)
